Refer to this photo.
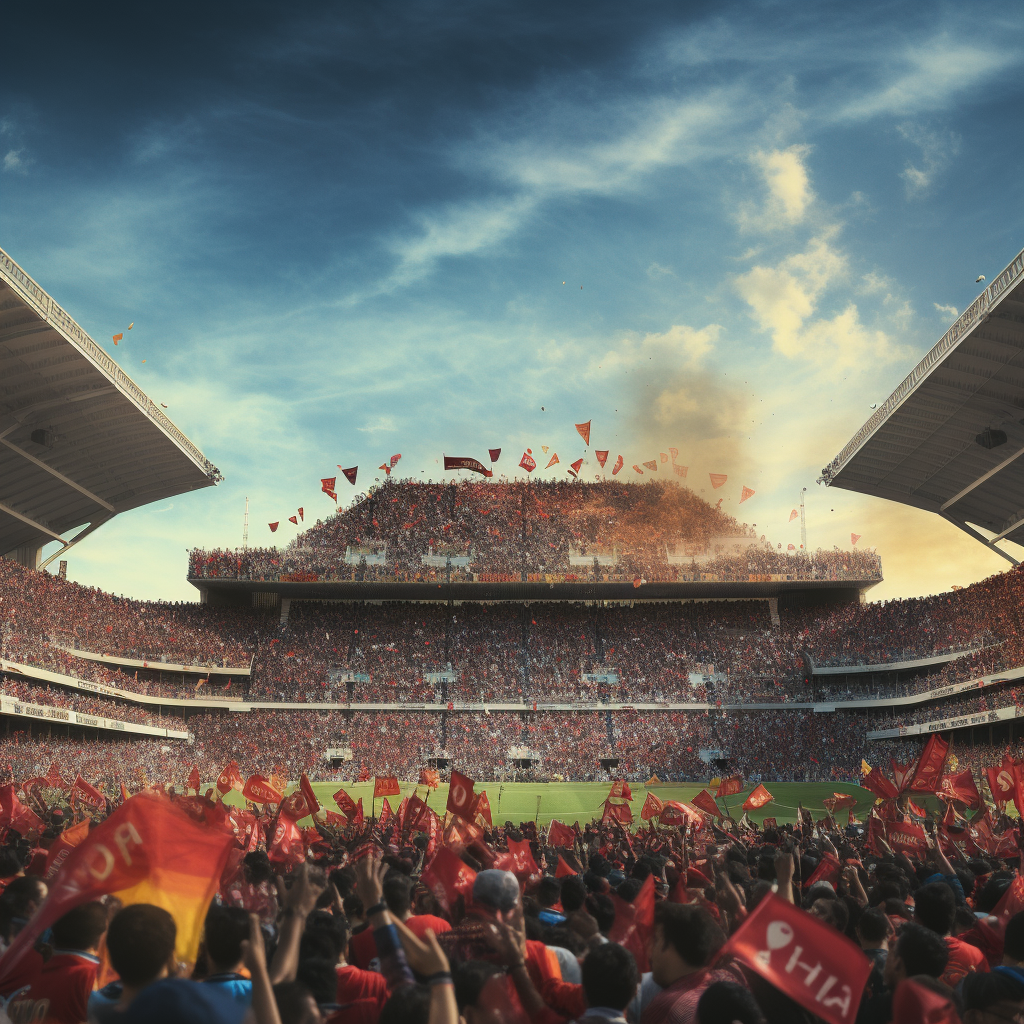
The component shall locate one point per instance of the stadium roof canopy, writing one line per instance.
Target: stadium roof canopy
(79, 439)
(950, 438)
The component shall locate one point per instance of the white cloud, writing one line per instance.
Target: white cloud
(936, 151)
(656, 270)
(784, 298)
(789, 190)
(13, 161)
(928, 76)
(947, 311)
(379, 425)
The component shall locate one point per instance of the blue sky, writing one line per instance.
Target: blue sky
(343, 233)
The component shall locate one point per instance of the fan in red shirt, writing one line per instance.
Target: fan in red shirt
(935, 908)
(59, 993)
(398, 897)
(355, 984)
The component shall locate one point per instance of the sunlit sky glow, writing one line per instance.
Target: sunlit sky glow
(342, 232)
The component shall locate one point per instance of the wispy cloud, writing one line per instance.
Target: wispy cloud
(789, 190)
(937, 149)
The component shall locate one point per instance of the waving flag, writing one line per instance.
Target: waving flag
(745, 493)
(86, 794)
(193, 781)
(54, 778)
(793, 515)
(118, 337)
(448, 878)
(878, 784)
(663, 457)
(495, 454)
(527, 462)
(345, 803)
(928, 774)
(680, 470)
(147, 851)
(638, 469)
(386, 468)
(293, 519)
(718, 479)
(584, 431)
(302, 515)
(385, 785)
(602, 458)
(961, 787)
(274, 526)
(730, 786)
(327, 483)
(349, 474)
(460, 795)
(757, 799)
(652, 465)
(230, 778)
(576, 465)
(395, 458)
(803, 958)
(552, 460)
(902, 773)
(475, 466)
(561, 835)
(617, 466)
(706, 802)
(259, 790)
(854, 537)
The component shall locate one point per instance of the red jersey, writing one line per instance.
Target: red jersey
(964, 959)
(355, 984)
(59, 993)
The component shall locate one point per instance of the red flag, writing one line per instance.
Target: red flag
(448, 878)
(307, 791)
(730, 786)
(349, 475)
(910, 838)
(826, 871)
(678, 814)
(495, 454)
(273, 526)
(706, 802)
(961, 787)
(793, 515)
(460, 795)
(482, 809)
(287, 846)
(336, 820)
(346, 803)
(259, 790)
(328, 483)
(293, 519)
(562, 868)
(844, 800)
(357, 818)
(385, 785)
(634, 922)
(902, 773)
(230, 778)
(145, 852)
(718, 479)
(620, 790)
(602, 458)
(552, 461)
(617, 812)
(522, 863)
(193, 781)
(652, 807)
(62, 847)
(680, 470)
(475, 466)
(617, 466)
(745, 493)
(561, 835)
(386, 814)
(577, 464)
(395, 458)
(583, 429)
(302, 515)
(14, 814)
(429, 778)
(878, 784)
(915, 1004)
(757, 799)
(528, 462)
(803, 958)
(88, 795)
(1000, 781)
(928, 774)
(294, 806)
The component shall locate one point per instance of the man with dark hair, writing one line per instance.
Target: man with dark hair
(918, 950)
(1013, 941)
(225, 930)
(681, 948)
(610, 978)
(60, 991)
(935, 908)
(351, 983)
(362, 950)
(480, 993)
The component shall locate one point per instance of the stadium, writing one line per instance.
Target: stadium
(552, 645)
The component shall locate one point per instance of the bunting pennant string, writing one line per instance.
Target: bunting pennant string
(602, 458)
(584, 431)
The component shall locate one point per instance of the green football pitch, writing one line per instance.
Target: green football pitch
(582, 801)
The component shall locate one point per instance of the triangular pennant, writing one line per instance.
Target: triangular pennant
(745, 493)
(718, 479)
(584, 431)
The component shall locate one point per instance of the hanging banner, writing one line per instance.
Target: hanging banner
(473, 465)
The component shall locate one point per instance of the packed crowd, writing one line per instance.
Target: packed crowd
(408, 531)
(362, 921)
(60, 697)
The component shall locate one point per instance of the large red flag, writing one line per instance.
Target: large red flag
(345, 803)
(758, 798)
(652, 807)
(803, 958)
(730, 786)
(307, 791)
(62, 847)
(1000, 781)
(349, 474)
(909, 838)
(386, 814)
(678, 814)
(827, 871)
(561, 835)
(230, 778)
(902, 773)
(286, 847)
(357, 818)
(460, 795)
(843, 800)
(1018, 787)
(86, 794)
(961, 787)
(562, 868)
(706, 802)
(912, 1002)
(482, 810)
(617, 812)
(521, 862)
(417, 815)
(583, 429)
(448, 878)
(634, 922)
(385, 785)
(928, 774)
(14, 814)
(145, 852)
(620, 790)
(878, 784)
(259, 790)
